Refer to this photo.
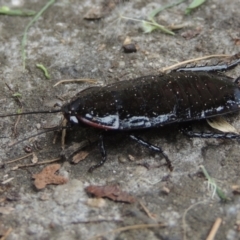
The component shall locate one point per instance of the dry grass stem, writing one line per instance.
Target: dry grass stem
(88, 80)
(127, 228)
(195, 60)
(215, 227)
(18, 159)
(39, 163)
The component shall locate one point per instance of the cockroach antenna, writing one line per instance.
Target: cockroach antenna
(40, 133)
(37, 134)
(27, 113)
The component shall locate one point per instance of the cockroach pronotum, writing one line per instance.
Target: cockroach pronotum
(180, 96)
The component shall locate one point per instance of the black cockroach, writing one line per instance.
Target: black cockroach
(181, 96)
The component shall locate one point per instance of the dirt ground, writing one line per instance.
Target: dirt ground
(72, 47)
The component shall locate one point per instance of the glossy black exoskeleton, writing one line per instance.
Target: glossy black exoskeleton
(183, 95)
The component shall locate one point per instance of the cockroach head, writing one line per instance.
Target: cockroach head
(70, 114)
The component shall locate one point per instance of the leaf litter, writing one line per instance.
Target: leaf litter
(112, 192)
(48, 176)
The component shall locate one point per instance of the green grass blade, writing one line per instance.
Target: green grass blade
(151, 26)
(40, 66)
(158, 10)
(24, 39)
(212, 183)
(193, 5)
(16, 12)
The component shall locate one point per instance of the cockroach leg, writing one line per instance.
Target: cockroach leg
(103, 153)
(188, 132)
(214, 68)
(153, 148)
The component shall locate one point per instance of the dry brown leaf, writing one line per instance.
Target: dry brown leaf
(48, 176)
(221, 124)
(79, 156)
(112, 192)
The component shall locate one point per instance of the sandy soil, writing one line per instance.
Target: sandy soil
(72, 47)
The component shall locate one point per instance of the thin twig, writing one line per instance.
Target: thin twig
(6, 234)
(7, 181)
(214, 229)
(18, 159)
(39, 163)
(76, 80)
(184, 217)
(149, 214)
(34, 135)
(132, 227)
(194, 60)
